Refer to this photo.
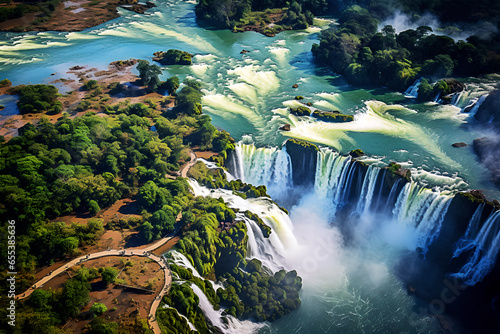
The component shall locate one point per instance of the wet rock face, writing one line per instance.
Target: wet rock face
(489, 111)
(488, 148)
(459, 145)
(488, 151)
(303, 156)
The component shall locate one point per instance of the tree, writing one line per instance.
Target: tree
(425, 91)
(41, 299)
(173, 57)
(149, 74)
(109, 275)
(439, 67)
(188, 101)
(147, 231)
(36, 98)
(68, 245)
(98, 309)
(75, 294)
(93, 207)
(91, 84)
(99, 326)
(171, 85)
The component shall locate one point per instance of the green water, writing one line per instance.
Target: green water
(248, 94)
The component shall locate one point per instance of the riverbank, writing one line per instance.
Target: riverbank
(74, 15)
(70, 84)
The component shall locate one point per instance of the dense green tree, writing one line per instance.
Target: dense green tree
(171, 85)
(109, 275)
(99, 326)
(149, 74)
(93, 207)
(75, 294)
(36, 98)
(98, 308)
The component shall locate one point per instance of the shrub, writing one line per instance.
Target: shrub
(36, 98)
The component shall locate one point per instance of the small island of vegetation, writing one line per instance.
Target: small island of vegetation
(266, 17)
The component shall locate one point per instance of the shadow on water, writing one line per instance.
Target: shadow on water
(189, 20)
(9, 103)
(304, 62)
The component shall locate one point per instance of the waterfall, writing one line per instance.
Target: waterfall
(459, 99)
(191, 326)
(180, 260)
(342, 189)
(227, 323)
(235, 163)
(281, 237)
(268, 166)
(328, 171)
(485, 243)
(412, 91)
(368, 189)
(465, 244)
(259, 247)
(364, 189)
(213, 165)
(437, 98)
(345, 181)
(423, 209)
(477, 104)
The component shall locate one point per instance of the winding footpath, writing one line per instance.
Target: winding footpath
(133, 251)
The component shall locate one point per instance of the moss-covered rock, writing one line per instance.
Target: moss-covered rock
(357, 153)
(173, 57)
(332, 117)
(396, 170)
(300, 111)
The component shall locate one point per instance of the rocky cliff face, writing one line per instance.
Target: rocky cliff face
(304, 159)
(488, 148)
(489, 111)
(488, 151)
